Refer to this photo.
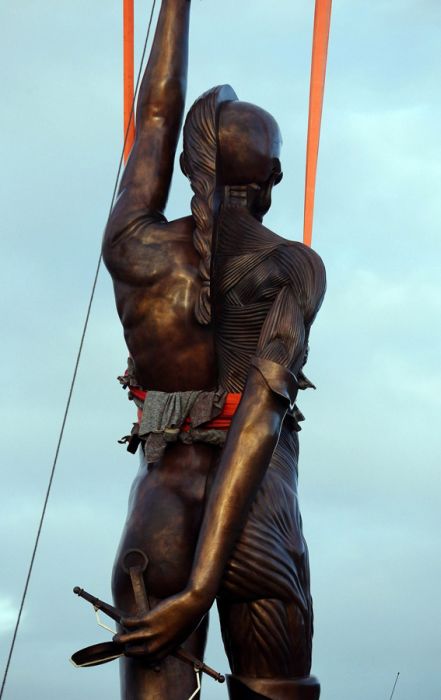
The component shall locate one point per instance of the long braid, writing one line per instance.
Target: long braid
(200, 152)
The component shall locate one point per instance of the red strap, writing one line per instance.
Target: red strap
(322, 23)
(129, 72)
(138, 393)
(222, 422)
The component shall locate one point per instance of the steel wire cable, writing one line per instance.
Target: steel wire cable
(395, 685)
(75, 372)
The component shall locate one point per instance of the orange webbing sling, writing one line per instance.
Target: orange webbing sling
(221, 422)
(322, 22)
(129, 80)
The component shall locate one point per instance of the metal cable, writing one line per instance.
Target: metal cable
(75, 372)
(395, 685)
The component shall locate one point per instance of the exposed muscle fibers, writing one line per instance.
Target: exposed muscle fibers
(266, 293)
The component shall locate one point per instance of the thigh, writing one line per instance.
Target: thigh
(265, 604)
(265, 638)
(165, 511)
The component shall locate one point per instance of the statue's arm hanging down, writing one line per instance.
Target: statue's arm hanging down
(214, 306)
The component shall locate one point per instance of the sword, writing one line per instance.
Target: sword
(135, 563)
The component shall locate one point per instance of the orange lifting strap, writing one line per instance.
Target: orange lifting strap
(129, 72)
(322, 22)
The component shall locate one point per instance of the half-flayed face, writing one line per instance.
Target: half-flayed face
(249, 143)
(227, 143)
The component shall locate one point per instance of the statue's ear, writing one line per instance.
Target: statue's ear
(277, 171)
(182, 164)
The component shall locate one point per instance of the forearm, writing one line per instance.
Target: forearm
(247, 453)
(163, 88)
(147, 177)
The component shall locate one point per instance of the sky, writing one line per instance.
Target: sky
(370, 447)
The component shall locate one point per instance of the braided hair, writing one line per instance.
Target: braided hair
(199, 162)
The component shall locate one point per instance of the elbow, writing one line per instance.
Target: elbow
(164, 101)
(260, 429)
(267, 431)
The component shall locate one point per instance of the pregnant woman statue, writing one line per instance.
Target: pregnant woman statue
(216, 311)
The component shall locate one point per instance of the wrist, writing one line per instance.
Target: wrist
(199, 598)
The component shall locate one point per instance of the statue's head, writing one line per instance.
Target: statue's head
(229, 146)
(249, 144)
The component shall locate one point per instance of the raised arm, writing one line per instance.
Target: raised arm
(147, 177)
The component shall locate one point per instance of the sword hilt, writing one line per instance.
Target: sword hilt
(135, 563)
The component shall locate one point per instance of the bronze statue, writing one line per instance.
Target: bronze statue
(216, 311)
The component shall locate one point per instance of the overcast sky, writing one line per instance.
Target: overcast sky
(370, 448)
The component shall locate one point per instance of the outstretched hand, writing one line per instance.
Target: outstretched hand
(163, 629)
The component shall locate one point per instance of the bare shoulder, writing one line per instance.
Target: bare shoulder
(143, 248)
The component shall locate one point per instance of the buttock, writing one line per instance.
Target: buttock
(164, 517)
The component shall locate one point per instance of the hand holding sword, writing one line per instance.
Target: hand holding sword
(136, 562)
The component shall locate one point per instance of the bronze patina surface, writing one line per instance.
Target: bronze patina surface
(212, 302)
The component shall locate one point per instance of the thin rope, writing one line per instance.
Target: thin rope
(395, 685)
(74, 376)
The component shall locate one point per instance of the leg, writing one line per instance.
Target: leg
(265, 606)
(265, 639)
(267, 645)
(165, 510)
(264, 689)
(174, 681)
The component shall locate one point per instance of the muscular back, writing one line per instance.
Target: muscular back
(266, 292)
(153, 263)
(154, 267)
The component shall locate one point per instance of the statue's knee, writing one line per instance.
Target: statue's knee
(243, 688)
